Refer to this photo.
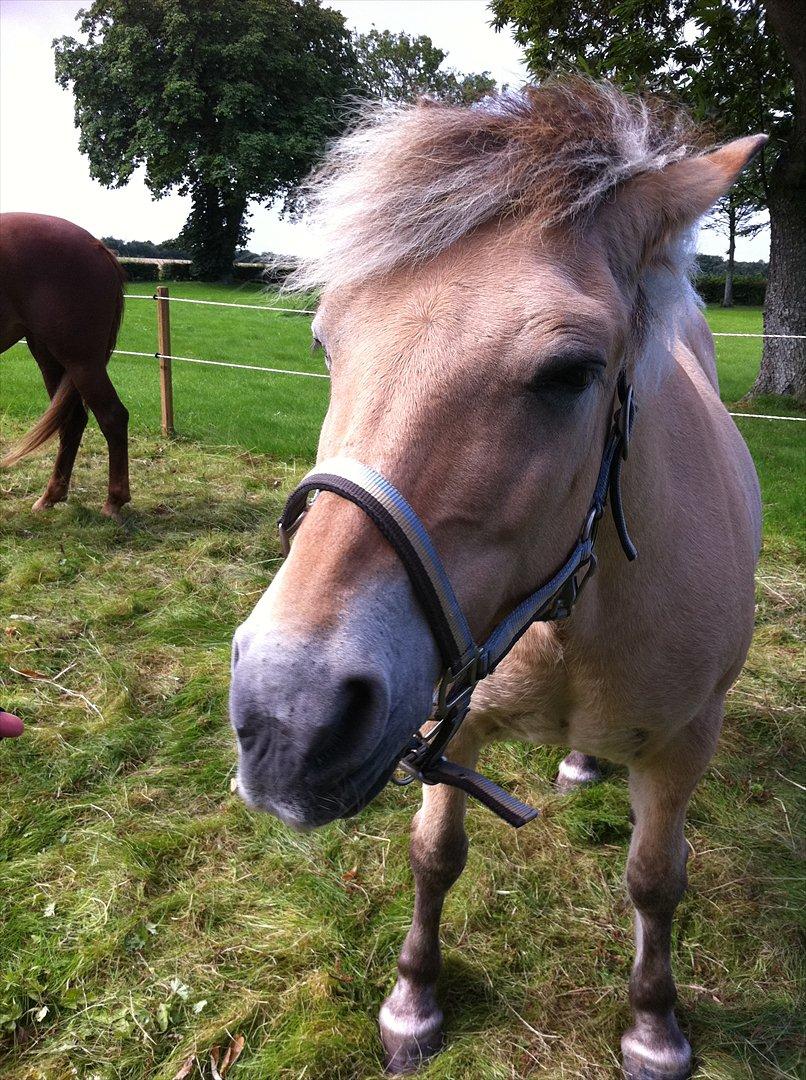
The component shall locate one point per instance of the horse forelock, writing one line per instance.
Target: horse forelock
(408, 181)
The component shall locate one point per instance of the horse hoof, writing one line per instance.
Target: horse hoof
(409, 1055)
(112, 511)
(43, 503)
(643, 1062)
(571, 776)
(409, 1042)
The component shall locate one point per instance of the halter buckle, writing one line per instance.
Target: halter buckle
(466, 678)
(624, 419)
(591, 522)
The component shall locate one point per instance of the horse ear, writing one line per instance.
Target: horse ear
(653, 208)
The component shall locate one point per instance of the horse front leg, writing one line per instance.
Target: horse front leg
(410, 1018)
(654, 1048)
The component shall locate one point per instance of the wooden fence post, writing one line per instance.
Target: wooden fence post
(164, 351)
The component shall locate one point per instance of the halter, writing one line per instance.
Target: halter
(465, 662)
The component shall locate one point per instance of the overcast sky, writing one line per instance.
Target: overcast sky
(42, 170)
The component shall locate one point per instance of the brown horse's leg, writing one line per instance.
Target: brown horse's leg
(410, 1019)
(102, 400)
(575, 770)
(69, 435)
(654, 1047)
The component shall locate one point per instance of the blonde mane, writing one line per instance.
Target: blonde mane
(407, 181)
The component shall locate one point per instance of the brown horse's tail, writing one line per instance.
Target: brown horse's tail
(61, 405)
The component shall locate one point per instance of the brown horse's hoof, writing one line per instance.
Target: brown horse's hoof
(45, 502)
(641, 1061)
(409, 1041)
(112, 511)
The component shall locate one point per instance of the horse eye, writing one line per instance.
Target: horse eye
(566, 377)
(578, 377)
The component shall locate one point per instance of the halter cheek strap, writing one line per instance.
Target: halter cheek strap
(465, 662)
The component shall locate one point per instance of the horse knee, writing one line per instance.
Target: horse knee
(656, 886)
(438, 851)
(113, 419)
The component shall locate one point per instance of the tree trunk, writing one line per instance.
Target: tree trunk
(783, 363)
(213, 232)
(232, 233)
(727, 299)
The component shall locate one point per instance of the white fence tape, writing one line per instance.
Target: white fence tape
(786, 337)
(219, 303)
(318, 375)
(225, 363)
(763, 416)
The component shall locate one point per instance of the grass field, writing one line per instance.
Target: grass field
(146, 917)
(280, 415)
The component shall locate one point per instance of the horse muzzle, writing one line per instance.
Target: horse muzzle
(322, 719)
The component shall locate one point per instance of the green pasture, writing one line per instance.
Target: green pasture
(147, 917)
(280, 415)
(275, 414)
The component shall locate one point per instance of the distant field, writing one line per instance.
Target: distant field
(281, 415)
(274, 414)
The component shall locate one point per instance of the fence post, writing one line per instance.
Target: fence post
(164, 351)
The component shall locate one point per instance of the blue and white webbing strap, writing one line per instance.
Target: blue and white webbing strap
(399, 523)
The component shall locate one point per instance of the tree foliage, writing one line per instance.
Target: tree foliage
(146, 249)
(226, 101)
(399, 67)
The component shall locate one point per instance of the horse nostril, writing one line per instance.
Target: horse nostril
(360, 700)
(360, 703)
(247, 736)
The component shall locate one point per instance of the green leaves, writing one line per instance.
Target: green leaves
(229, 101)
(399, 67)
(716, 56)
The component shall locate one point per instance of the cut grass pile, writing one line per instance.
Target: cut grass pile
(146, 916)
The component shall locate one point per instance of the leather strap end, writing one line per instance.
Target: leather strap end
(506, 806)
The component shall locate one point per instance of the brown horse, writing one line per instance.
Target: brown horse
(62, 291)
(493, 278)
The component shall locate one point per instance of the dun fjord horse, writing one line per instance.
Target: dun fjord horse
(505, 310)
(62, 291)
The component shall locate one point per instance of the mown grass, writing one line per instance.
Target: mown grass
(146, 916)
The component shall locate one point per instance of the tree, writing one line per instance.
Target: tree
(736, 214)
(740, 65)
(399, 67)
(146, 249)
(227, 101)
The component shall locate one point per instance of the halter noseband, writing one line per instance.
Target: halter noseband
(465, 662)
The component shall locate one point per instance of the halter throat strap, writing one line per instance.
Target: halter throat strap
(465, 662)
